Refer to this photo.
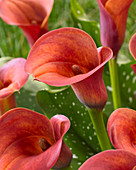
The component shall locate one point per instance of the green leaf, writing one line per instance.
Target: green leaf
(53, 89)
(81, 137)
(26, 96)
(127, 85)
(82, 21)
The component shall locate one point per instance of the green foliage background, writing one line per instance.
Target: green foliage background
(14, 44)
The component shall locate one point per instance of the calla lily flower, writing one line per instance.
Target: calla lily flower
(132, 48)
(68, 56)
(12, 78)
(113, 18)
(122, 129)
(31, 141)
(31, 16)
(111, 159)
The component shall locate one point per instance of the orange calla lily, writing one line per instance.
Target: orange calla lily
(68, 56)
(111, 159)
(122, 130)
(31, 141)
(31, 16)
(113, 18)
(12, 78)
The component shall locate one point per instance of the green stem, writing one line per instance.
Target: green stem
(98, 122)
(115, 83)
(68, 168)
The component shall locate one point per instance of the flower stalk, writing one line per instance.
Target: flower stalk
(68, 168)
(115, 83)
(98, 123)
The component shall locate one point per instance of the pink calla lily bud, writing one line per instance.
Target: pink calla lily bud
(12, 78)
(31, 16)
(111, 159)
(122, 129)
(132, 48)
(113, 19)
(68, 56)
(31, 141)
